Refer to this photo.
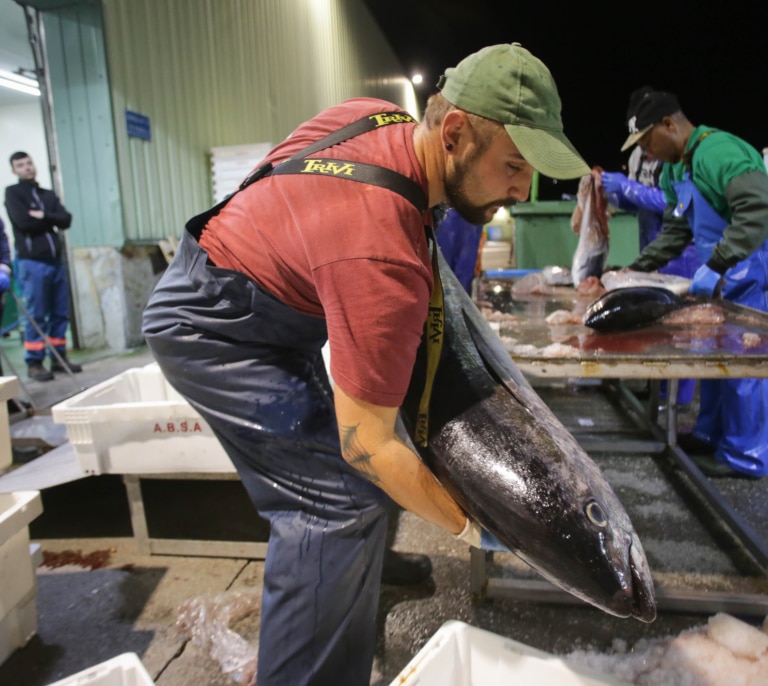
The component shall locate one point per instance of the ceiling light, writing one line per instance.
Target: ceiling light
(19, 83)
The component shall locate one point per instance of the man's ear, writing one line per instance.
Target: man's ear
(669, 123)
(455, 129)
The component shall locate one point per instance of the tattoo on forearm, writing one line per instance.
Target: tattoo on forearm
(355, 454)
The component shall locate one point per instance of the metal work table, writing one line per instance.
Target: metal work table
(654, 353)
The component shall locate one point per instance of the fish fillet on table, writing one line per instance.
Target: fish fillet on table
(625, 278)
(590, 222)
(517, 471)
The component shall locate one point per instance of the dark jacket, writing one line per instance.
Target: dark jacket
(5, 248)
(36, 239)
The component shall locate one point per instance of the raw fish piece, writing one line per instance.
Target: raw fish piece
(557, 276)
(626, 277)
(590, 221)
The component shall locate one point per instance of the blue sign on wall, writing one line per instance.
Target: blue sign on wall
(137, 125)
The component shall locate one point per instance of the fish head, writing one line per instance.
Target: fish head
(630, 307)
(548, 502)
(581, 521)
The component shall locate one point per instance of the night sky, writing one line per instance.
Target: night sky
(715, 58)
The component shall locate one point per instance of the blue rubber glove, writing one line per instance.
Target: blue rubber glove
(489, 542)
(612, 182)
(5, 281)
(628, 194)
(705, 281)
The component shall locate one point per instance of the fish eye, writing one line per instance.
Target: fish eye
(595, 513)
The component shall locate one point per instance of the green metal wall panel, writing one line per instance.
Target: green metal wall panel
(82, 118)
(212, 73)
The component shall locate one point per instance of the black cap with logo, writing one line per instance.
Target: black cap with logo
(646, 108)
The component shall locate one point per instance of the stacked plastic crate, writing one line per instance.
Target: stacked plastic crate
(9, 388)
(18, 583)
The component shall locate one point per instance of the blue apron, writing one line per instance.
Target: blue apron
(733, 411)
(649, 224)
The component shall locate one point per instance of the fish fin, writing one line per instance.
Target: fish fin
(487, 342)
(495, 356)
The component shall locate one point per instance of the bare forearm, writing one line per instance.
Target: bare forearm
(398, 471)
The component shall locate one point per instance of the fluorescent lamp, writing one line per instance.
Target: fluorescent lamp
(19, 83)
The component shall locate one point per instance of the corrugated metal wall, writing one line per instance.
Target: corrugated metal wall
(82, 118)
(226, 72)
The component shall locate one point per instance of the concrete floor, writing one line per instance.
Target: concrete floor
(109, 598)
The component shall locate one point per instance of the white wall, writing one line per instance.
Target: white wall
(21, 128)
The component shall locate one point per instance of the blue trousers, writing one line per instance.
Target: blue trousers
(45, 288)
(254, 369)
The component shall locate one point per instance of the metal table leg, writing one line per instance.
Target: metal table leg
(145, 544)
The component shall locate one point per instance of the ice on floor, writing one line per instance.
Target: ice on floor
(725, 651)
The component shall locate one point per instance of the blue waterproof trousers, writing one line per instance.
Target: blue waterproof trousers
(253, 368)
(45, 288)
(733, 414)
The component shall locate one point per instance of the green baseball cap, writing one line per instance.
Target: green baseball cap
(507, 84)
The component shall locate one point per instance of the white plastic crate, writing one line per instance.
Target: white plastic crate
(136, 423)
(18, 584)
(495, 255)
(18, 625)
(123, 670)
(463, 655)
(9, 388)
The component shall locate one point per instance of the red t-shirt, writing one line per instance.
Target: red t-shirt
(353, 253)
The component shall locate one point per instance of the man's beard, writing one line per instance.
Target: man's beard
(455, 183)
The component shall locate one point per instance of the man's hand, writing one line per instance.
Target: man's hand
(37, 214)
(705, 282)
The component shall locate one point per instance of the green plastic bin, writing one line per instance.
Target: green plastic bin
(543, 235)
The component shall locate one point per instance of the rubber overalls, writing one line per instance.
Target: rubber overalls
(253, 368)
(733, 411)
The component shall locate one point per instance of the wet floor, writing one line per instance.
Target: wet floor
(108, 598)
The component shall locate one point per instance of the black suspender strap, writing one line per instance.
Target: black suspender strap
(357, 171)
(356, 128)
(342, 169)
(301, 163)
(688, 157)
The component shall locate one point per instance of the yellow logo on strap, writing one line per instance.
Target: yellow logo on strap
(328, 167)
(435, 330)
(392, 118)
(435, 325)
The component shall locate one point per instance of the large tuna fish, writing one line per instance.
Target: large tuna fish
(590, 221)
(629, 308)
(515, 469)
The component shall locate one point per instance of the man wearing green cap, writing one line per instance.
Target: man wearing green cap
(325, 241)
